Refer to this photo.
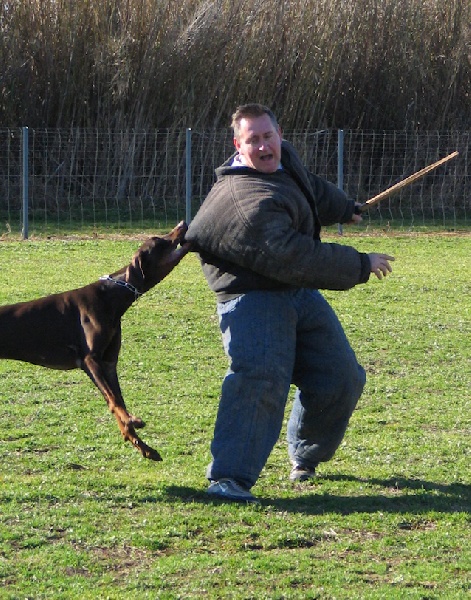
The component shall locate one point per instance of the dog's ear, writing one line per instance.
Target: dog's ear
(135, 271)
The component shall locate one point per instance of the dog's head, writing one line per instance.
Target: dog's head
(158, 256)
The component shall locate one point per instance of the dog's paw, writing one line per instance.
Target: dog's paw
(146, 451)
(136, 422)
(153, 454)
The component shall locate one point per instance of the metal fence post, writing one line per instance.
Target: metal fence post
(188, 176)
(25, 184)
(340, 168)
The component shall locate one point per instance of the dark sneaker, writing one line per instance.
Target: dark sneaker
(300, 473)
(228, 489)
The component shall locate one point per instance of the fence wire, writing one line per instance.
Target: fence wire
(83, 177)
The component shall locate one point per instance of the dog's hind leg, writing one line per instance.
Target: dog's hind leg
(114, 399)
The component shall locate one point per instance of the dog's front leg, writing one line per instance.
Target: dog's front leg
(111, 377)
(97, 374)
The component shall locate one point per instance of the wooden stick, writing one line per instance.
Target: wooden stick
(407, 181)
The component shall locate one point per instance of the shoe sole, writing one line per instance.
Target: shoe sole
(224, 498)
(301, 478)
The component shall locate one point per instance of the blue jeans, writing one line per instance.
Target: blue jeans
(273, 339)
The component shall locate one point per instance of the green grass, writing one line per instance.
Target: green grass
(83, 516)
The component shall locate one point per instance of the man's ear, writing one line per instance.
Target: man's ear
(236, 144)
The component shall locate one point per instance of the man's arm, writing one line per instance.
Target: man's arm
(333, 205)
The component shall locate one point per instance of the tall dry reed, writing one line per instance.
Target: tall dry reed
(371, 64)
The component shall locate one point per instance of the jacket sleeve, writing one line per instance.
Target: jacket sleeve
(275, 249)
(333, 205)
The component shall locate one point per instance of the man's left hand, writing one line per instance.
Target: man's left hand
(356, 217)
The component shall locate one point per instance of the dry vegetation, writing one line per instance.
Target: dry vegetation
(371, 64)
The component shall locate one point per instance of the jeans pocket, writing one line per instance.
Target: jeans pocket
(224, 308)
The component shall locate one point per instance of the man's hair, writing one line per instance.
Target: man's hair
(250, 111)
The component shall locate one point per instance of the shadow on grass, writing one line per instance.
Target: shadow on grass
(400, 496)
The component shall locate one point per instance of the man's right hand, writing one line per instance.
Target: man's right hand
(380, 264)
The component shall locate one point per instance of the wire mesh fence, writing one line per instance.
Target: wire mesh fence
(123, 179)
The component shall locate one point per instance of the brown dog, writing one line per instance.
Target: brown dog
(82, 328)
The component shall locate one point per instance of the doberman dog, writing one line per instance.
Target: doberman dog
(82, 328)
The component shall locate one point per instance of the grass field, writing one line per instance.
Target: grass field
(83, 516)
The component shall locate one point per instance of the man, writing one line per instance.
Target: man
(257, 234)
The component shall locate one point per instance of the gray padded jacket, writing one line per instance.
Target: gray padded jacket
(259, 231)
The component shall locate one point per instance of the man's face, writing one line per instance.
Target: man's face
(259, 142)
